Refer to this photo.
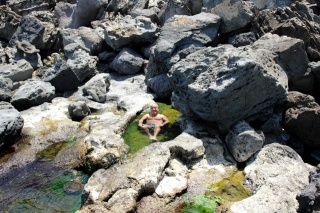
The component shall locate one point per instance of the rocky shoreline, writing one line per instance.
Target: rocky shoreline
(244, 74)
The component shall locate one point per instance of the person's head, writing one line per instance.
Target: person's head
(154, 108)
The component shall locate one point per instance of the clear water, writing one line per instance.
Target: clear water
(41, 187)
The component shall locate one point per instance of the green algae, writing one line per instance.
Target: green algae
(136, 138)
(231, 188)
(52, 151)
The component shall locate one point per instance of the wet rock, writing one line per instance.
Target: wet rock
(32, 93)
(213, 84)
(11, 124)
(243, 141)
(127, 61)
(97, 87)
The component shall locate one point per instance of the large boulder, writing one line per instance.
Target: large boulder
(275, 176)
(127, 31)
(302, 117)
(226, 84)
(180, 36)
(88, 39)
(11, 124)
(32, 93)
(63, 12)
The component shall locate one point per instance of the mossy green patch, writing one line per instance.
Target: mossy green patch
(231, 188)
(136, 138)
(51, 151)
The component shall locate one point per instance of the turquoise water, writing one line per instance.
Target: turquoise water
(41, 187)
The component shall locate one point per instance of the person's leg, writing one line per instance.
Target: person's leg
(156, 132)
(146, 129)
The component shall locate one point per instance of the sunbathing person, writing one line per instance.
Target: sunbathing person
(153, 121)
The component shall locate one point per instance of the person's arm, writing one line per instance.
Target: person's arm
(140, 123)
(165, 120)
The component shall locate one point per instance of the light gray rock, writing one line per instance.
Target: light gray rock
(127, 61)
(5, 89)
(124, 200)
(172, 8)
(24, 7)
(104, 183)
(125, 31)
(186, 146)
(175, 180)
(180, 36)
(17, 71)
(32, 93)
(82, 64)
(85, 12)
(243, 141)
(226, 84)
(268, 4)
(11, 124)
(292, 55)
(88, 39)
(235, 15)
(63, 12)
(97, 87)
(275, 176)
